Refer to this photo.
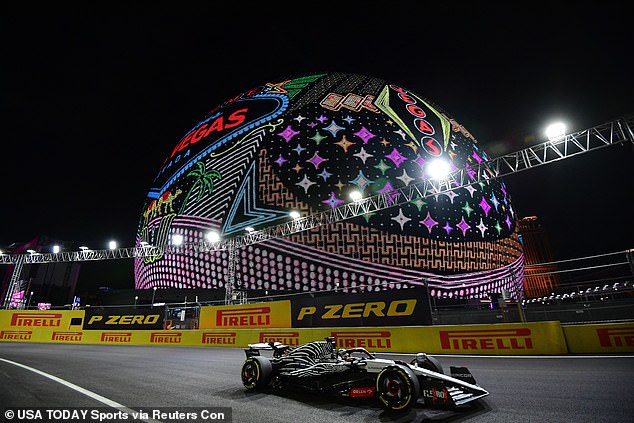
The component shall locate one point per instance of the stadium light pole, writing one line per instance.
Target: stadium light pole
(431, 311)
(153, 294)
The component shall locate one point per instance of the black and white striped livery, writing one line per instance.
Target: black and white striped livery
(320, 367)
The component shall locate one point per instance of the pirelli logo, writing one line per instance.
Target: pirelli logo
(116, 337)
(290, 338)
(486, 339)
(36, 319)
(616, 337)
(16, 335)
(165, 337)
(244, 317)
(66, 336)
(219, 338)
(373, 339)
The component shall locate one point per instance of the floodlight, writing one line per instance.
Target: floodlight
(438, 169)
(356, 195)
(177, 239)
(556, 131)
(212, 236)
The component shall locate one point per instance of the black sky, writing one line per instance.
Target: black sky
(90, 106)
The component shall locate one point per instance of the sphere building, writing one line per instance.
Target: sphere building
(305, 144)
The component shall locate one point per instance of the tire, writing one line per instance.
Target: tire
(397, 388)
(256, 373)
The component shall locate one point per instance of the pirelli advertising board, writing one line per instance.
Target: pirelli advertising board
(41, 319)
(600, 338)
(408, 307)
(274, 314)
(500, 339)
(41, 326)
(121, 318)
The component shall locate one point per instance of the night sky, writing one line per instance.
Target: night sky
(90, 107)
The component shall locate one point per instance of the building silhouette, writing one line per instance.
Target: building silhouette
(539, 276)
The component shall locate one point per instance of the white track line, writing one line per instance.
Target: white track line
(104, 400)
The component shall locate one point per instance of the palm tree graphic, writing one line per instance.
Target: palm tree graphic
(204, 182)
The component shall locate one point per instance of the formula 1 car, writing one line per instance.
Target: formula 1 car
(320, 367)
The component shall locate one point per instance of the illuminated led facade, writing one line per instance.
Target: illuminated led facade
(304, 144)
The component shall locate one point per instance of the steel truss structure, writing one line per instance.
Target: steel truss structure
(614, 132)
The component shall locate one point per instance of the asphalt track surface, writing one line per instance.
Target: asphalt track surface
(536, 389)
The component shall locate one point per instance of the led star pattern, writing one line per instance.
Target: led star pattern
(325, 155)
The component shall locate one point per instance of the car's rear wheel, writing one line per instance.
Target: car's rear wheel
(397, 388)
(256, 373)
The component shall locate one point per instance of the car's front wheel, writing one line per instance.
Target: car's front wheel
(397, 388)
(256, 373)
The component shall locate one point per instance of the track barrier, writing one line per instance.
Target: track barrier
(238, 326)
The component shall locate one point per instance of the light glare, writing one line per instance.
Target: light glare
(556, 131)
(295, 214)
(213, 236)
(438, 169)
(112, 245)
(177, 239)
(356, 195)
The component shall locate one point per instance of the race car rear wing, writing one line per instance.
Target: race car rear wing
(277, 347)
